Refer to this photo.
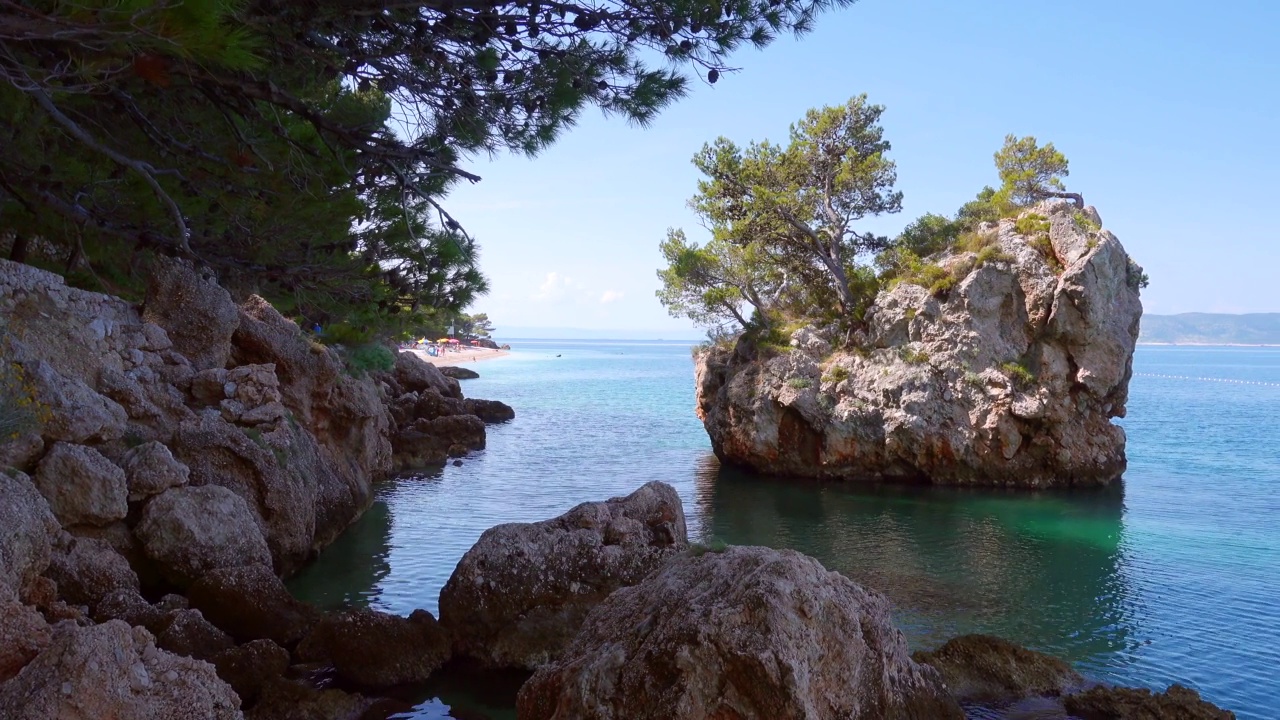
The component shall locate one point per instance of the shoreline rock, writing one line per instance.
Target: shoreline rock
(1008, 378)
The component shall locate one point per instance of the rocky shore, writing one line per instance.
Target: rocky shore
(1009, 376)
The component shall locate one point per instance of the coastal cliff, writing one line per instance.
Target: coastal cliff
(1008, 373)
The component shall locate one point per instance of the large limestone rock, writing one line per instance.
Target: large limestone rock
(189, 531)
(415, 374)
(1010, 377)
(82, 486)
(376, 650)
(151, 469)
(197, 314)
(23, 634)
(749, 633)
(248, 667)
(1111, 703)
(114, 671)
(188, 633)
(28, 531)
(87, 569)
(518, 597)
(251, 603)
(981, 668)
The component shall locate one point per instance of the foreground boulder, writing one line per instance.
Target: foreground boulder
(1008, 373)
(86, 569)
(982, 668)
(378, 650)
(28, 530)
(1177, 703)
(189, 531)
(23, 634)
(749, 633)
(114, 671)
(521, 593)
(251, 603)
(250, 666)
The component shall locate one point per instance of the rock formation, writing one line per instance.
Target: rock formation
(749, 633)
(1010, 376)
(981, 668)
(518, 597)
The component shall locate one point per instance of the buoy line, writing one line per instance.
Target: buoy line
(1209, 379)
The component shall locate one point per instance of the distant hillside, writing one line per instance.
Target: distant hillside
(1212, 329)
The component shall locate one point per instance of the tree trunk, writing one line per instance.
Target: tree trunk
(1076, 198)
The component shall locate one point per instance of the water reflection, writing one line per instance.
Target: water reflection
(1044, 569)
(350, 571)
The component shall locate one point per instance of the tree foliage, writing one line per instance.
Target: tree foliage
(783, 219)
(1030, 173)
(254, 135)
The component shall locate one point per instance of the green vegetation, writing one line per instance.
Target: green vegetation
(370, 357)
(1018, 373)
(714, 545)
(836, 374)
(799, 383)
(304, 151)
(913, 357)
(20, 411)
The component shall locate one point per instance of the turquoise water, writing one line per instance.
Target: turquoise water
(1171, 577)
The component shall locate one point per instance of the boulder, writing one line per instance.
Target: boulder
(77, 413)
(82, 486)
(518, 597)
(86, 569)
(748, 633)
(128, 605)
(284, 699)
(1112, 703)
(306, 370)
(490, 411)
(251, 603)
(458, 373)
(1009, 376)
(413, 374)
(187, 633)
(189, 531)
(114, 671)
(377, 650)
(248, 667)
(981, 668)
(151, 469)
(23, 634)
(427, 442)
(197, 315)
(28, 531)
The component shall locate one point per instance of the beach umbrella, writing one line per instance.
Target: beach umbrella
(453, 340)
(475, 342)
(444, 340)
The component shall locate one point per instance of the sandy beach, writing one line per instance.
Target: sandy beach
(465, 357)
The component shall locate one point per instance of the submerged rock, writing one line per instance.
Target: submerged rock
(1176, 703)
(1009, 376)
(518, 597)
(458, 373)
(984, 668)
(377, 650)
(114, 671)
(749, 633)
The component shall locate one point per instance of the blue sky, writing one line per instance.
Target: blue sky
(1166, 110)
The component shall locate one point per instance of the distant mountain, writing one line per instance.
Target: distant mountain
(1212, 329)
(569, 333)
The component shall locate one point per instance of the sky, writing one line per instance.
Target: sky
(1166, 110)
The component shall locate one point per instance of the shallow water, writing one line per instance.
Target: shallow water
(1169, 577)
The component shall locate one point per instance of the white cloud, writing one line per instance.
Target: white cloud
(610, 296)
(552, 287)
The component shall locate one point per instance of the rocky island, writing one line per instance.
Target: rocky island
(1010, 376)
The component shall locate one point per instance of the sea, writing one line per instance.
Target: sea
(1170, 576)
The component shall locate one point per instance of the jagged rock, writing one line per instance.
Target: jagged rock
(518, 597)
(251, 603)
(82, 486)
(490, 411)
(188, 633)
(23, 634)
(1010, 377)
(458, 373)
(195, 312)
(748, 633)
(22, 452)
(306, 371)
(114, 671)
(377, 650)
(151, 469)
(248, 667)
(28, 531)
(415, 375)
(283, 699)
(984, 668)
(76, 412)
(426, 442)
(128, 605)
(189, 531)
(1176, 703)
(86, 569)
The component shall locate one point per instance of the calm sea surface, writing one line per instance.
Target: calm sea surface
(1174, 576)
